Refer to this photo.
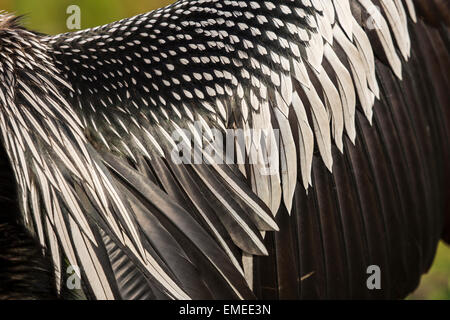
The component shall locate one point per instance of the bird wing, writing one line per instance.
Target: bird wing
(127, 180)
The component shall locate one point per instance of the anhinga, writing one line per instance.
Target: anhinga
(351, 96)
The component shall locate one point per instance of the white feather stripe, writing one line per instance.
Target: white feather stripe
(153, 142)
(300, 73)
(35, 101)
(240, 152)
(27, 219)
(288, 156)
(344, 16)
(48, 174)
(222, 109)
(382, 29)
(250, 202)
(275, 181)
(236, 217)
(321, 126)
(97, 191)
(334, 104)
(22, 161)
(65, 160)
(15, 161)
(36, 126)
(247, 136)
(17, 136)
(404, 17)
(4, 131)
(281, 104)
(37, 214)
(306, 140)
(73, 205)
(80, 142)
(317, 4)
(358, 70)
(62, 231)
(398, 29)
(92, 268)
(55, 252)
(197, 137)
(45, 192)
(207, 132)
(77, 160)
(286, 88)
(329, 11)
(254, 101)
(244, 109)
(69, 115)
(260, 183)
(346, 90)
(266, 115)
(2, 97)
(364, 47)
(32, 147)
(18, 114)
(247, 262)
(411, 10)
(118, 202)
(325, 28)
(314, 51)
(141, 146)
(258, 126)
(53, 130)
(266, 181)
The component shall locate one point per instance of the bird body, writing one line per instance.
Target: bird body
(351, 96)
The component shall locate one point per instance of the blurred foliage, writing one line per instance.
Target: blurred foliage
(436, 284)
(49, 16)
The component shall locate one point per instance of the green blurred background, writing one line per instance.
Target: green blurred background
(436, 284)
(49, 16)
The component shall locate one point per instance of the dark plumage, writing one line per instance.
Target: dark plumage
(347, 164)
(25, 273)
